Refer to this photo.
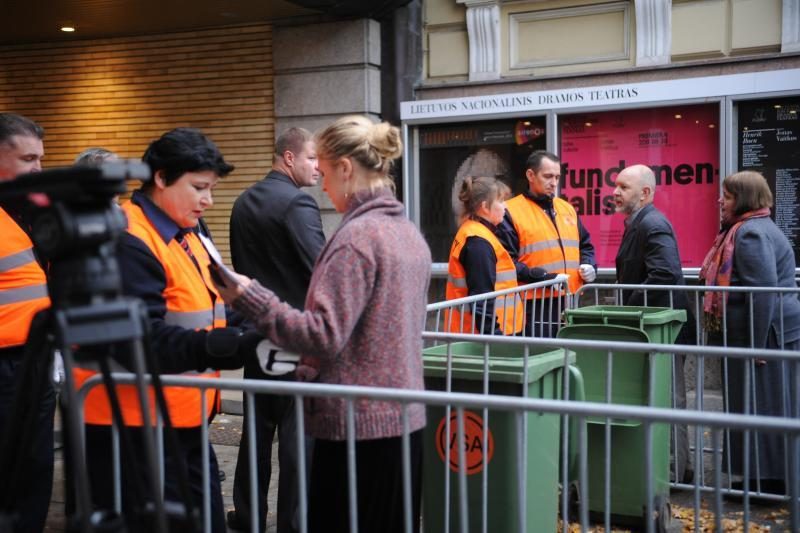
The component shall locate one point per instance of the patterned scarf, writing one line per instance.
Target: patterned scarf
(718, 267)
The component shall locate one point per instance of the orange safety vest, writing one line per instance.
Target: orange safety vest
(508, 308)
(553, 247)
(23, 284)
(190, 305)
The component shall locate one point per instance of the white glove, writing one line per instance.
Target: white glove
(275, 361)
(561, 278)
(59, 374)
(588, 273)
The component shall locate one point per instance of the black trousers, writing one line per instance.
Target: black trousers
(543, 316)
(134, 465)
(379, 482)
(272, 414)
(33, 493)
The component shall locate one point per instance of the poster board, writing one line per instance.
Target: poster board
(680, 144)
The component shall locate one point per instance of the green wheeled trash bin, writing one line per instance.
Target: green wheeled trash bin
(503, 444)
(631, 375)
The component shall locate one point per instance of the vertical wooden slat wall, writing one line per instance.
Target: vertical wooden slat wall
(121, 93)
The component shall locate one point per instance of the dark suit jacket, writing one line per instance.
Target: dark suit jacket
(276, 236)
(648, 255)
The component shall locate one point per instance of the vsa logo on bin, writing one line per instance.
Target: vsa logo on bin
(473, 443)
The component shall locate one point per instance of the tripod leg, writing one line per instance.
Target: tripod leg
(148, 433)
(77, 445)
(173, 444)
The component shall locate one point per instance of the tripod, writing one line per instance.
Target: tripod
(77, 235)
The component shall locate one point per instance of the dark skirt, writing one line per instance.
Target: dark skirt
(379, 482)
(773, 391)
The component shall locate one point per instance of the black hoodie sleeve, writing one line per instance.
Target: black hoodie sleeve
(480, 264)
(177, 349)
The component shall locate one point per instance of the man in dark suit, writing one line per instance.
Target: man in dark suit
(276, 236)
(648, 255)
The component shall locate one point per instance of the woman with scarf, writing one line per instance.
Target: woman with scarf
(751, 251)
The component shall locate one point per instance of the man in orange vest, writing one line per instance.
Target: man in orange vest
(23, 293)
(545, 237)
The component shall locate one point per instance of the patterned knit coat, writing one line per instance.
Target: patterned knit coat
(363, 317)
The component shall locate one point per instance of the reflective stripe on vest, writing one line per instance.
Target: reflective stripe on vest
(189, 303)
(509, 309)
(18, 259)
(23, 285)
(543, 244)
(23, 294)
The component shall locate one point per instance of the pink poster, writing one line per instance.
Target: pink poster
(680, 144)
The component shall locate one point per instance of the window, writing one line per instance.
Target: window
(496, 148)
(681, 145)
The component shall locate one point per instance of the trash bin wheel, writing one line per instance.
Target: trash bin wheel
(662, 514)
(573, 501)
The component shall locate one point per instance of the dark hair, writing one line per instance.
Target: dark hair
(184, 150)
(750, 189)
(535, 159)
(12, 124)
(475, 190)
(94, 156)
(293, 139)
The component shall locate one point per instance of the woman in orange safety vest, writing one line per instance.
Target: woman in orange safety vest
(478, 263)
(164, 261)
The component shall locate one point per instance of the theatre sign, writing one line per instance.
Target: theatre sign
(688, 130)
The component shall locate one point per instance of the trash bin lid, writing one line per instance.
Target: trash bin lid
(603, 332)
(504, 369)
(661, 324)
(621, 314)
(478, 349)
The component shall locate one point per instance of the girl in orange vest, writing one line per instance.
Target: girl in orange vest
(479, 264)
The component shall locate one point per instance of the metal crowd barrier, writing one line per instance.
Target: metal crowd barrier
(716, 424)
(551, 298)
(592, 294)
(705, 397)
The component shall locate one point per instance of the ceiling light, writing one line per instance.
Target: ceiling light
(68, 29)
(711, 126)
(678, 116)
(777, 106)
(589, 124)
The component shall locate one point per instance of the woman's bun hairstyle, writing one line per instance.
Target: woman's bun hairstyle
(473, 191)
(373, 145)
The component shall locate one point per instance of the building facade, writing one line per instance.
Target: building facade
(696, 89)
(241, 73)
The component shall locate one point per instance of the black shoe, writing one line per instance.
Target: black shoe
(222, 475)
(234, 522)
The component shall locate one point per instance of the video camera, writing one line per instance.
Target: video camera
(74, 223)
(74, 231)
